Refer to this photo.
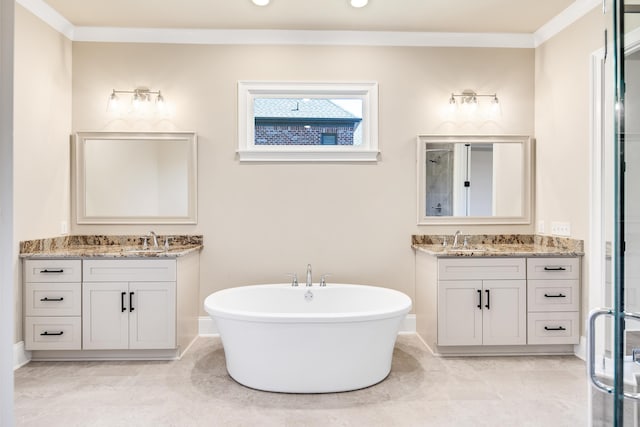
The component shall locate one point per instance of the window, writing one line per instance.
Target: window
(332, 139)
(285, 121)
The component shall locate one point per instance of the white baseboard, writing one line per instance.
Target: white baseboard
(580, 349)
(207, 327)
(20, 356)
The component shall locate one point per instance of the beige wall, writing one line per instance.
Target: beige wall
(261, 221)
(563, 85)
(42, 123)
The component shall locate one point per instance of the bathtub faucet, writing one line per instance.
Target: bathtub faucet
(309, 281)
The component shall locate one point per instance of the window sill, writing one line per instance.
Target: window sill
(307, 155)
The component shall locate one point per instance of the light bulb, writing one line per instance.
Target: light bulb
(160, 104)
(260, 2)
(113, 105)
(137, 101)
(453, 105)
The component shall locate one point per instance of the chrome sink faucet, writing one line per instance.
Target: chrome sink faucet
(455, 239)
(309, 281)
(155, 239)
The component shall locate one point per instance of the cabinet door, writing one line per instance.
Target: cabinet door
(459, 317)
(105, 316)
(152, 316)
(504, 309)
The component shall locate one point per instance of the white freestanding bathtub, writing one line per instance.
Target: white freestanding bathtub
(308, 339)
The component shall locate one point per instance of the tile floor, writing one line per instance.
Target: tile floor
(422, 390)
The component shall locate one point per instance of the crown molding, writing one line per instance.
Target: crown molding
(49, 15)
(303, 37)
(565, 18)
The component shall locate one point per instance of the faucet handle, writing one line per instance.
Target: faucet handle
(465, 243)
(166, 242)
(294, 279)
(323, 281)
(145, 242)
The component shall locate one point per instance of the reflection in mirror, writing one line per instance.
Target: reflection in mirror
(467, 179)
(135, 177)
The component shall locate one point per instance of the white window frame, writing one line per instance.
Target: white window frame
(248, 151)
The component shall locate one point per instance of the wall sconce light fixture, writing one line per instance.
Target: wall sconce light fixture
(470, 98)
(140, 101)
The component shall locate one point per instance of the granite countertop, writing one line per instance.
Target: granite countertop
(103, 246)
(498, 245)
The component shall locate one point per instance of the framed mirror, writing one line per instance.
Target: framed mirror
(135, 177)
(473, 179)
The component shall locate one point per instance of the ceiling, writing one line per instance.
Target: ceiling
(466, 16)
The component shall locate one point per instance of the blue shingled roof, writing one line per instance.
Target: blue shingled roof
(297, 108)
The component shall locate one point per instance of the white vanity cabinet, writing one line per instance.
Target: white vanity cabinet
(554, 300)
(129, 304)
(492, 305)
(482, 301)
(52, 297)
(122, 308)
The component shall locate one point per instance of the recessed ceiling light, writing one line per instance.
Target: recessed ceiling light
(359, 3)
(260, 2)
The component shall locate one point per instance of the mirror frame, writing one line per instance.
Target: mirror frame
(527, 182)
(79, 184)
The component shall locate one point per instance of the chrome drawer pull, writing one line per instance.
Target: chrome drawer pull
(555, 269)
(47, 333)
(559, 328)
(52, 271)
(52, 299)
(555, 296)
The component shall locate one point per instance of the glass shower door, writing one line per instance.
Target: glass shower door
(614, 371)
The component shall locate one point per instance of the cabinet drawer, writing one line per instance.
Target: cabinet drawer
(481, 268)
(152, 270)
(52, 270)
(553, 328)
(553, 295)
(553, 268)
(52, 299)
(52, 333)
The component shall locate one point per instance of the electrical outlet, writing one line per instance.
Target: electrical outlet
(64, 229)
(541, 226)
(561, 228)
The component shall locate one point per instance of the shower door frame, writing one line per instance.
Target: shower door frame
(597, 262)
